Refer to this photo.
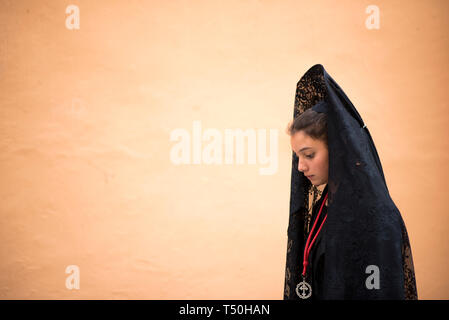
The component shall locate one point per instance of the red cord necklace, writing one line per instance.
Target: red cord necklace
(306, 289)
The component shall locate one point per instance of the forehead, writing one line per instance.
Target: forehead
(300, 140)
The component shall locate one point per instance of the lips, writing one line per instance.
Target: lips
(309, 177)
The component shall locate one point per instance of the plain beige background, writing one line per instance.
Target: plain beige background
(86, 117)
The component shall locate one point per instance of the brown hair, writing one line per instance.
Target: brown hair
(313, 123)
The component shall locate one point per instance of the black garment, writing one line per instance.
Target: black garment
(364, 228)
(315, 269)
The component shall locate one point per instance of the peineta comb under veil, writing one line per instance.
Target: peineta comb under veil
(364, 226)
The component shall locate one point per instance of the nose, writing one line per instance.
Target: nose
(301, 166)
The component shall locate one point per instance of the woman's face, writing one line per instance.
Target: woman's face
(313, 157)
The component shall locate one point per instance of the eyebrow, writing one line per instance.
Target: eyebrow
(305, 148)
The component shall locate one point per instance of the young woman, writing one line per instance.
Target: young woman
(309, 142)
(351, 243)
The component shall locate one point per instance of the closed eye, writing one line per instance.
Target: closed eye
(310, 156)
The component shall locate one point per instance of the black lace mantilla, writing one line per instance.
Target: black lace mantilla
(364, 226)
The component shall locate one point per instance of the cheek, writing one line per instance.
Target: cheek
(325, 163)
(322, 163)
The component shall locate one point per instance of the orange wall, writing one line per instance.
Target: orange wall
(86, 117)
